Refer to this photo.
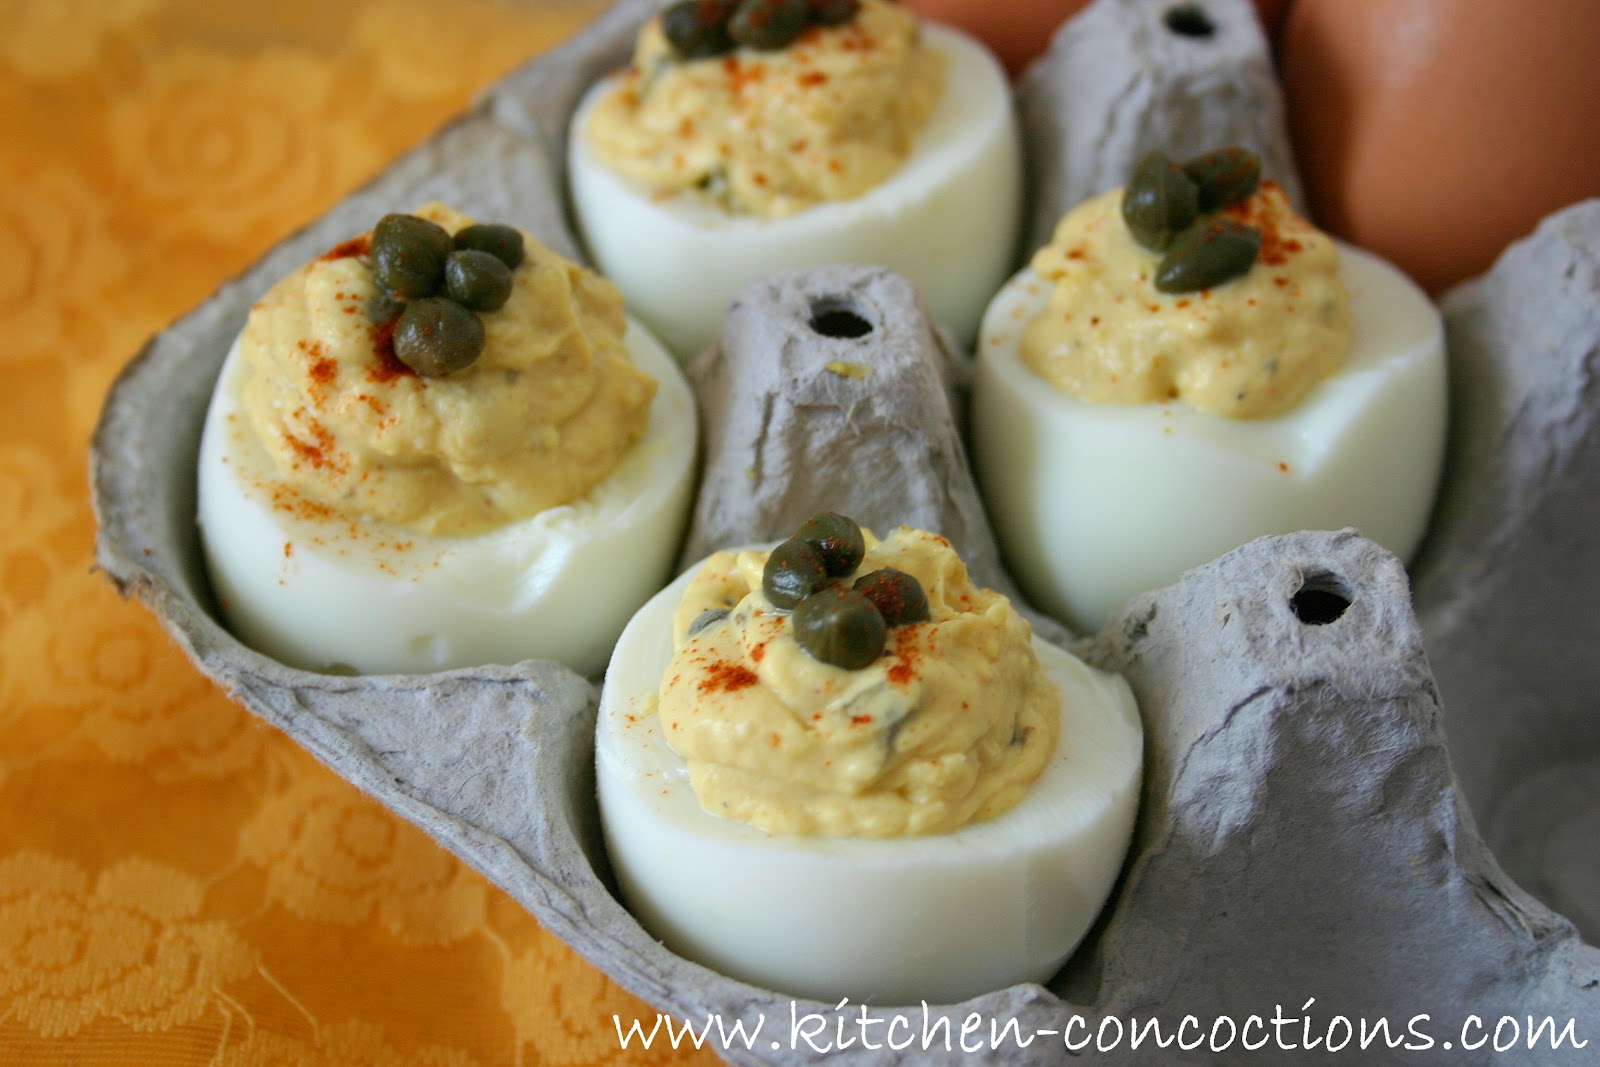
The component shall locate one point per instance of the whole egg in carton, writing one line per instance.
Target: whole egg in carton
(1301, 833)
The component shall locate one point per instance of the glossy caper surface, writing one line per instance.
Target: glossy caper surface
(839, 626)
(1159, 201)
(708, 617)
(436, 336)
(384, 308)
(698, 29)
(502, 242)
(1225, 176)
(1207, 255)
(767, 25)
(898, 596)
(793, 572)
(837, 538)
(408, 255)
(477, 280)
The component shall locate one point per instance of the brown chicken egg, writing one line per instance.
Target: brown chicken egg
(1435, 132)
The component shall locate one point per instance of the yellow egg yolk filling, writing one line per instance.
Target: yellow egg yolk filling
(1249, 348)
(768, 134)
(542, 417)
(950, 725)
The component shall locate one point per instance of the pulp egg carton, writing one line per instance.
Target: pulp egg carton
(1316, 720)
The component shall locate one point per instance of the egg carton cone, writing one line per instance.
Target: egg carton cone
(1302, 834)
(1508, 579)
(1126, 76)
(833, 390)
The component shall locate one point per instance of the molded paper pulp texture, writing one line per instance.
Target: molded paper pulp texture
(1302, 833)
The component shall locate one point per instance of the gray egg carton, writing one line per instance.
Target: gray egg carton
(1304, 830)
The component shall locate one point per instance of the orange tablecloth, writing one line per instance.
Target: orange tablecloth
(179, 883)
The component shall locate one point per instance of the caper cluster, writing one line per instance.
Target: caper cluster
(846, 626)
(437, 284)
(700, 29)
(1166, 207)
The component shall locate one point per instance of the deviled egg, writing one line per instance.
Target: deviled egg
(442, 445)
(1188, 366)
(720, 155)
(839, 769)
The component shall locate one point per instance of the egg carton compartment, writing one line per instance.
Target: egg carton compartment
(1302, 832)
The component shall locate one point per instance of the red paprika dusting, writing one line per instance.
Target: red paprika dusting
(758, 652)
(742, 75)
(321, 454)
(813, 78)
(323, 370)
(288, 549)
(908, 654)
(287, 500)
(1275, 248)
(388, 366)
(356, 246)
(725, 677)
(860, 720)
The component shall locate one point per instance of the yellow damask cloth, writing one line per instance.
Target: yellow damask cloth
(180, 883)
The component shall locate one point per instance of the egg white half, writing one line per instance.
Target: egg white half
(888, 921)
(1096, 503)
(374, 598)
(947, 219)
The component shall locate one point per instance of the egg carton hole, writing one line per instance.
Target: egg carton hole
(1321, 599)
(1189, 20)
(839, 319)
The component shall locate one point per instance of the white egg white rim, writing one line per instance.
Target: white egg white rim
(504, 575)
(943, 147)
(1385, 334)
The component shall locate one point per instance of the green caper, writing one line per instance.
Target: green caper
(767, 25)
(384, 308)
(837, 538)
(839, 626)
(708, 617)
(1206, 255)
(502, 242)
(897, 596)
(698, 29)
(408, 255)
(1225, 176)
(1159, 201)
(793, 572)
(436, 336)
(477, 280)
(832, 12)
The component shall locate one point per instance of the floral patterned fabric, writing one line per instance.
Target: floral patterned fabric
(179, 883)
